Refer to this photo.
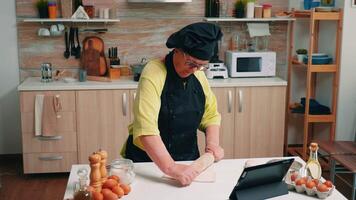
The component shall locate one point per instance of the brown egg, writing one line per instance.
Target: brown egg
(97, 195)
(322, 188)
(329, 184)
(109, 195)
(114, 177)
(110, 183)
(310, 184)
(126, 188)
(118, 191)
(105, 190)
(300, 181)
(305, 179)
(294, 176)
(316, 181)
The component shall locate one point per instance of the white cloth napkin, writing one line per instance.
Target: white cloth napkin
(38, 114)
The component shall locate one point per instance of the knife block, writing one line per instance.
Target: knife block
(114, 73)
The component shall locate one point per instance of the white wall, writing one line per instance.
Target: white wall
(346, 116)
(10, 136)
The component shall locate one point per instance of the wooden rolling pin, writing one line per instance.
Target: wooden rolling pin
(203, 162)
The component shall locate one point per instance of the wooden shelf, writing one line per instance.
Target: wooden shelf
(40, 20)
(321, 118)
(317, 68)
(330, 118)
(233, 19)
(314, 18)
(317, 15)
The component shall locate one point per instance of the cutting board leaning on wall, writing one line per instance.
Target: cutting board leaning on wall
(93, 56)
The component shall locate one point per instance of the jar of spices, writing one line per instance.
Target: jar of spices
(52, 10)
(258, 11)
(267, 10)
(89, 9)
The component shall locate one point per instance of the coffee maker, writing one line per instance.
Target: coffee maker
(216, 67)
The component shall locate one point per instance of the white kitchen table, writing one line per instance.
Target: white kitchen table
(149, 184)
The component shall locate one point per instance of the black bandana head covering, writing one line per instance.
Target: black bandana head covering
(198, 39)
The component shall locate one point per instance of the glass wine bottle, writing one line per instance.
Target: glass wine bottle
(313, 168)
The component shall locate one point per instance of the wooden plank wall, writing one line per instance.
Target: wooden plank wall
(142, 32)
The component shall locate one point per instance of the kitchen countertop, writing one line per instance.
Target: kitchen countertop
(150, 185)
(34, 84)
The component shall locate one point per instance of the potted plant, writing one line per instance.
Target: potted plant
(42, 7)
(301, 54)
(240, 9)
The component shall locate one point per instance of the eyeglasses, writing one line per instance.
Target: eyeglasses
(192, 64)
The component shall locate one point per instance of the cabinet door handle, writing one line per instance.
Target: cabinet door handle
(124, 104)
(240, 100)
(57, 103)
(50, 158)
(134, 95)
(229, 101)
(46, 138)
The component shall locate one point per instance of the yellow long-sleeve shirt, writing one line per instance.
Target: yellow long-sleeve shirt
(147, 103)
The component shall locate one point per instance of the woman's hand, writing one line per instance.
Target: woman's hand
(216, 150)
(184, 174)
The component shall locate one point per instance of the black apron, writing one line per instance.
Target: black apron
(182, 108)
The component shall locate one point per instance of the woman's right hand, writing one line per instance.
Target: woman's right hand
(184, 174)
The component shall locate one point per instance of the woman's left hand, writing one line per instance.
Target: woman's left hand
(216, 150)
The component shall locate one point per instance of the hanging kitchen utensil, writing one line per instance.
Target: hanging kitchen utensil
(78, 48)
(66, 40)
(73, 49)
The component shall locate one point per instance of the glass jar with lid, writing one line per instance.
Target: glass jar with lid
(267, 10)
(124, 169)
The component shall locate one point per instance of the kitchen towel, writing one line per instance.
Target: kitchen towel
(38, 114)
(49, 115)
(258, 29)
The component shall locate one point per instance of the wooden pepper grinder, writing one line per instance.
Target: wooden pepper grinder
(104, 155)
(95, 175)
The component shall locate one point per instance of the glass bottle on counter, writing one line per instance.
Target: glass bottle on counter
(81, 192)
(313, 168)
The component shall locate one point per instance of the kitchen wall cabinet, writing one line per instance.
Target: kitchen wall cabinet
(55, 153)
(259, 122)
(252, 125)
(102, 117)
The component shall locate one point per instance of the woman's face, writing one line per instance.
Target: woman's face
(185, 65)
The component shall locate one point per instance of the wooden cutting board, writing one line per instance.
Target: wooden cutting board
(93, 56)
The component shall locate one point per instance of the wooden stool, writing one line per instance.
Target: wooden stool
(347, 165)
(338, 147)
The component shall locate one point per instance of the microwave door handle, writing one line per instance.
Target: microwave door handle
(240, 100)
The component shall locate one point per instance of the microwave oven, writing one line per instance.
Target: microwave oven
(250, 64)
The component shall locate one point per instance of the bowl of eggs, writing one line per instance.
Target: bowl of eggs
(309, 186)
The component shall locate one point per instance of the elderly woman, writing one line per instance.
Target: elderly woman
(173, 100)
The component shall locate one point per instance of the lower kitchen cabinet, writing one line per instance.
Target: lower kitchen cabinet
(54, 153)
(225, 100)
(259, 121)
(102, 120)
(252, 125)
